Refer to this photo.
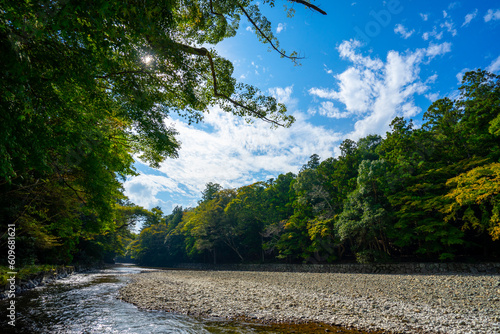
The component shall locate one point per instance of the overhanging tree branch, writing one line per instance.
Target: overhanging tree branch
(310, 5)
(205, 53)
(119, 73)
(267, 38)
(215, 13)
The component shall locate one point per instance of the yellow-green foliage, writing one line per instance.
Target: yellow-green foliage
(478, 187)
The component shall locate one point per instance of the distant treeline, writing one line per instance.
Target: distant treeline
(426, 193)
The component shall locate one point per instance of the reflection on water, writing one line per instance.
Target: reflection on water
(87, 303)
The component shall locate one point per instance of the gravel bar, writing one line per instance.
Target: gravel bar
(394, 303)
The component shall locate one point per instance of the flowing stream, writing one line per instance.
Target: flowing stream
(87, 303)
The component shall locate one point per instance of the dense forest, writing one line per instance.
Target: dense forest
(85, 91)
(426, 193)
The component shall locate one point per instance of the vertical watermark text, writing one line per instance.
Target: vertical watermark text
(11, 259)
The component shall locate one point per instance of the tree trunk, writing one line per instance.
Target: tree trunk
(262, 247)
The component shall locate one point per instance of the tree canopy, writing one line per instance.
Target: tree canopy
(88, 86)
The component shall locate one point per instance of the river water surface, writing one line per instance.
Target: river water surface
(87, 303)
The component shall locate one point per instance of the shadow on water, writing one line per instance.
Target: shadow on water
(87, 303)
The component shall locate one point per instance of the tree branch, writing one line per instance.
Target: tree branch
(61, 177)
(310, 5)
(266, 37)
(205, 53)
(119, 73)
(215, 13)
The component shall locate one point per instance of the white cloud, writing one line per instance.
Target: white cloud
(461, 74)
(492, 15)
(227, 150)
(424, 17)
(280, 27)
(400, 29)
(355, 90)
(440, 27)
(327, 70)
(433, 33)
(376, 91)
(494, 66)
(248, 28)
(256, 68)
(323, 93)
(469, 17)
(284, 95)
(450, 27)
(432, 96)
(347, 50)
(142, 189)
(438, 49)
(328, 109)
(432, 78)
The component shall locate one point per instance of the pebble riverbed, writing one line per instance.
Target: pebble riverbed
(394, 303)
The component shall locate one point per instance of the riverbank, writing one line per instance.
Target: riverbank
(395, 303)
(30, 277)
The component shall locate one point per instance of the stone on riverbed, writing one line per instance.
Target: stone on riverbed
(397, 303)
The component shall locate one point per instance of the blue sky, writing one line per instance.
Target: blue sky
(365, 63)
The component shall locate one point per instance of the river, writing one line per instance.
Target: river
(87, 303)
